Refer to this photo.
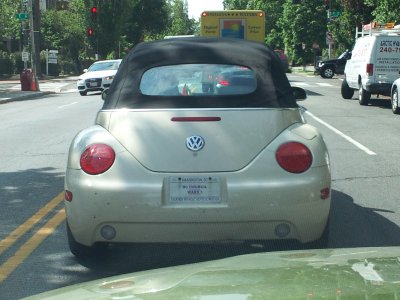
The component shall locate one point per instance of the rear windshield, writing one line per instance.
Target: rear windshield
(198, 80)
(102, 66)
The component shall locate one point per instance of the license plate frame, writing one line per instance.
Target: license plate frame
(194, 189)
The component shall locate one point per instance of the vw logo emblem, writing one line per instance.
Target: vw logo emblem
(195, 143)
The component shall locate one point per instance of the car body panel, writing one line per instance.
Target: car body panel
(352, 273)
(241, 144)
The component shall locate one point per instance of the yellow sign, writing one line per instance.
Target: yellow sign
(242, 24)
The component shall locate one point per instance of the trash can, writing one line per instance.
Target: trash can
(26, 78)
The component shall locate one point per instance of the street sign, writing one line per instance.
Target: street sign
(334, 14)
(25, 56)
(22, 16)
(52, 56)
(329, 38)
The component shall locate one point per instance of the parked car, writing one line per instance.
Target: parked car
(168, 161)
(394, 96)
(98, 77)
(329, 67)
(284, 59)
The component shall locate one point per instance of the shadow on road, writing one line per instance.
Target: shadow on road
(351, 226)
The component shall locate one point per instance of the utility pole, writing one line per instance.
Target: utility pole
(34, 21)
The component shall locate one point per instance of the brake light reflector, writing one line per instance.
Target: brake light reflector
(97, 159)
(370, 69)
(294, 157)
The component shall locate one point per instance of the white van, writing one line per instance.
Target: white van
(374, 64)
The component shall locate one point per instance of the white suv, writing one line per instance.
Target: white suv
(374, 65)
(98, 77)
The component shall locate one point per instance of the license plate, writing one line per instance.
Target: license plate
(94, 84)
(194, 190)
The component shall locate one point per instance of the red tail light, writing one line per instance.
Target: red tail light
(97, 159)
(294, 157)
(370, 69)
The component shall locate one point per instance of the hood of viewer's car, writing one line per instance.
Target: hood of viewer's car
(351, 273)
(97, 74)
(229, 144)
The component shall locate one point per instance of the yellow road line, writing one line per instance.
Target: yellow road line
(23, 228)
(26, 249)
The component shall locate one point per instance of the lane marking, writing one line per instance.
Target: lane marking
(28, 224)
(62, 106)
(346, 137)
(26, 249)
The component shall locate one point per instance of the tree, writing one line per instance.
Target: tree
(179, 22)
(385, 11)
(144, 19)
(235, 4)
(9, 25)
(303, 25)
(64, 30)
(353, 13)
(273, 13)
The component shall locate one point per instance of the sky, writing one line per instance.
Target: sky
(196, 7)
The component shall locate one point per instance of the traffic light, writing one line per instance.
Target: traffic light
(93, 13)
(90, 32)
(327, 4)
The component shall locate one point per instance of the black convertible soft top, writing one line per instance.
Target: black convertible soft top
(273, 88)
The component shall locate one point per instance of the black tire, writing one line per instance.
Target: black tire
(395, 101)
(347, 92)
(83, 93)
(327, 72)
(81, 251)
(363, 96)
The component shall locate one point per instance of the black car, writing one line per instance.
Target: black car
(328, 68)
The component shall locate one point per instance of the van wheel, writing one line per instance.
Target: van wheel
(327, 72)
(347, 92)
(83, 93)
(79, 250)
(363, 96)
(395, 101)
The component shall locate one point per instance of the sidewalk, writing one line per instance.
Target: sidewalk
(10, 88)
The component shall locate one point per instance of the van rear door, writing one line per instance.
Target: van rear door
(387, 61)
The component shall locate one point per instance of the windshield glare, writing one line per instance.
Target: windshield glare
(101, 66)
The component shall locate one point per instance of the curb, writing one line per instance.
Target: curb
(25, 97)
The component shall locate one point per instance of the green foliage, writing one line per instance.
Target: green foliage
(64, 30)
(303, 25)
(385, 10)
(179, 22)
(121, 24)
(235, 4)
(273, 12)
(9, 25)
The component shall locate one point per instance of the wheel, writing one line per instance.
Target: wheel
(395, 101)
(79, 250)
(83, 93)
(327, 72)
(347, 92)
(363, 96)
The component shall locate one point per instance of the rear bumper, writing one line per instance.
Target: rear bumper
(249, 209)
(379, 88)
